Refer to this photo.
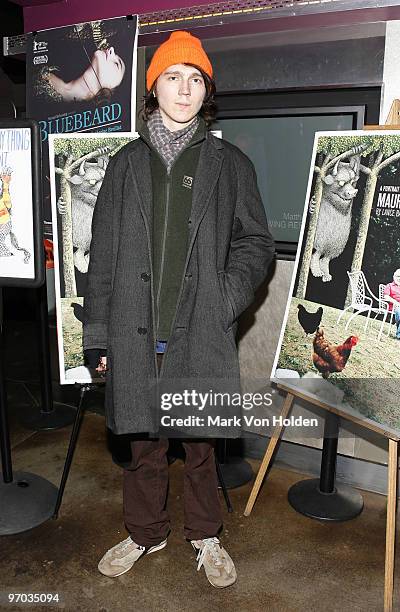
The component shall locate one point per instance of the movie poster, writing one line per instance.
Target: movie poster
(81, 78)
(342, 323)
(17, 260)
(77, 168)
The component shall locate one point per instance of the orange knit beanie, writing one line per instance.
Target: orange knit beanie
(180, 48)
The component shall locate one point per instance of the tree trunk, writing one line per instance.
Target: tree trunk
(68, 250)
(305, 267)
(358, 254)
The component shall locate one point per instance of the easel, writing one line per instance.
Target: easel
(291, 394)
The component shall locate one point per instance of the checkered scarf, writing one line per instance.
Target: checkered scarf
(169, 144)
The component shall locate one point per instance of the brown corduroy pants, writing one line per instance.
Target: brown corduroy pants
(145, 490)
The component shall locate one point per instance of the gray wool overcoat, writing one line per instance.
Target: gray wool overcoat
(228, 254)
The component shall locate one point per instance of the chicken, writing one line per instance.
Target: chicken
(309, 321)
(78, 312)
(329, 358)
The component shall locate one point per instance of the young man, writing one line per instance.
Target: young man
(180, 243)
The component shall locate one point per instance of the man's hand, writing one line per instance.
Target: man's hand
(311, 205)
(102, 367)
(95, 359)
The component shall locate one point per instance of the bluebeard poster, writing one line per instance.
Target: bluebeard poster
(81, 78)
(341, 332)
(78, 164)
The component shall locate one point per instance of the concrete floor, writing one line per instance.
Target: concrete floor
(285, 562)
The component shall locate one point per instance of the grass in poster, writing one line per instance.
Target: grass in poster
(370, 376)
(72, 332)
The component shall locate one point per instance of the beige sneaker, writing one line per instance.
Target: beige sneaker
(121, 557)
(217, 564)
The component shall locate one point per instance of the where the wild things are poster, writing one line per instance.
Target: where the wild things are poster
(78, 164)
(16, 204)
(342, 323)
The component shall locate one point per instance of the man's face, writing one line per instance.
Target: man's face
(180, 92)
(396, 277)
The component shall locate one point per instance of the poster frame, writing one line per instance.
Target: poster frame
(91, 377)
(36, 199)
(291, 385)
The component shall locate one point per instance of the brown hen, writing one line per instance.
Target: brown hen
(329, 358)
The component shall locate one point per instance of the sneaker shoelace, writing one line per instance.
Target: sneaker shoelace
(212, 546)
(128, 542)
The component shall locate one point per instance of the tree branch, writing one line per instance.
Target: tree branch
(91, 155)
(365, 169)
(348, 153)
(388, 161)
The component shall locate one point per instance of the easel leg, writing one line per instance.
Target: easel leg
(390, 525)
(223, 486)
(268, 455)
(71, 449)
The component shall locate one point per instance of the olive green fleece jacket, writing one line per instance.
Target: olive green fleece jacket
(172, 203)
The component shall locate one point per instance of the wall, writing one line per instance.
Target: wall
(76, 11)
(327, 57)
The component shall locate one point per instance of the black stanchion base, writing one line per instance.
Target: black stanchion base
(26, 502)
(236, 472)
(61, 416)
(343, 504)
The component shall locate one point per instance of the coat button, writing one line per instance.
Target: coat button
(142, 330)
(188, 276)
(145, 277)
(189, 221)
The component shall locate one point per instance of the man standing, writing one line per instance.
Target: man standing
(180, 242)
(392, 295)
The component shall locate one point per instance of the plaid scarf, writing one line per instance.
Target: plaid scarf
(169, 144)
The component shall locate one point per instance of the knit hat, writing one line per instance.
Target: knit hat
(180, 48)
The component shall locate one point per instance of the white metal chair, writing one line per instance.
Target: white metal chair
(362, 299)
(384, 306)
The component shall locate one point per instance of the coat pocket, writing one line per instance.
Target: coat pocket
(228, 310)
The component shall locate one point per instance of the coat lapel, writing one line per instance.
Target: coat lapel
(208, 171)
(139, 162)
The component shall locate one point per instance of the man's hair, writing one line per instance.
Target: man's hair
(208, 109)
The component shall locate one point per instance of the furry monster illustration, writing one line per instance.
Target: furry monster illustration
(85, 186)
(334, 220)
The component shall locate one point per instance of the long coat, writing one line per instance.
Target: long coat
(228, 254)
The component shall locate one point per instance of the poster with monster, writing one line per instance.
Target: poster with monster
(21, 258)
(340, 337)
(77, 166)
(81, 78)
